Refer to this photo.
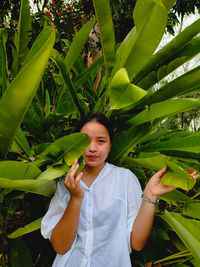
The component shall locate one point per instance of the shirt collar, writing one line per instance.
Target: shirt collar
(106, 169)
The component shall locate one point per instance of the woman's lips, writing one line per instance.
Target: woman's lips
(92, 158)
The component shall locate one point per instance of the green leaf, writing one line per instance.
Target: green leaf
(164, 108)
(179, 50)
(122, 92)
(188, 230)
(188, 143)
(174, 197)
(126, 141)
(41, 187)
(3, 62)
(155, 163)
(106, 30)
(19, 94)
(22, 35)
(66, 77)
(78, 43)
(176, 176)
(33, 226)
(16, 170)
(70, 147)
(150, 19)
(21, 140)
(192, 209)
(182, 85)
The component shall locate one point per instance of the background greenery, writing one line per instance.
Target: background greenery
(47, 85)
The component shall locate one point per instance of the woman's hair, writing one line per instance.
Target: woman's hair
(100, 118)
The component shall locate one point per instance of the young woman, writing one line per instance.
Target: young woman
(97, 216)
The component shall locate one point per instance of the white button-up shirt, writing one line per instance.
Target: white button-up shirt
(108, 211)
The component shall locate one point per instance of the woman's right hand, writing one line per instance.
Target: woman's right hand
(72, 181)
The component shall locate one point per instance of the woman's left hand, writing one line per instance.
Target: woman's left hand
(155, 188)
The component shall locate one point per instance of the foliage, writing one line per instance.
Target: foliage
(45, 92)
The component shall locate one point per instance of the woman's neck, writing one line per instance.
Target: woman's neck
(92, 171)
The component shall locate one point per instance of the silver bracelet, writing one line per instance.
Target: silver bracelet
(149, 200)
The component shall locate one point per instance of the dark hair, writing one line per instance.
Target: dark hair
(100, 118)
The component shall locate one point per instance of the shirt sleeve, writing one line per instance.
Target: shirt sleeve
(56, 210)
(134, 201)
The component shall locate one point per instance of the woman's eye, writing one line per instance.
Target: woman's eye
(101, 141)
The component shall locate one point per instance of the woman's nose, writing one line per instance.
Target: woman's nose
(92, 147)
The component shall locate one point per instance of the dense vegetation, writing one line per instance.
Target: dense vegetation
(46, 86)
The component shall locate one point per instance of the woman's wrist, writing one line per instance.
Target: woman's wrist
(149, 200)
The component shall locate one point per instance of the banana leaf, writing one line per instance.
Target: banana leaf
(164, 108)
(182, 85)
(77, 44)
(150, 18)
(188, 143)
(42, 187)
(3, 62)
(177, 177)
(122, 92)
(19, 94)
(182, 48)
(69, 147)
(33, 226)
(106, 30)
(22, 36)
(188, 230)
(126, 141)
(192, 209)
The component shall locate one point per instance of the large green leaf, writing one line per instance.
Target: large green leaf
(126, 141)
(69, 147)
(122, 92)
(150, 19)
(174, 197)
(192, 209)
(41, 187)
(176, 176)
(175, 53)
(106, 30)
(22, 35)
(21, 140)
(188, 230)
(16, 170)
(188, 143)
(66, 77)
(21, 91)
(78, 43)
(26, 229)
(164, 108)
(3, 62)
(182, 85)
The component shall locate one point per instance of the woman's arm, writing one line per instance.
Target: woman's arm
(144, 220)
(65, 231)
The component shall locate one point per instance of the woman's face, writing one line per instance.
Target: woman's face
(100, 145)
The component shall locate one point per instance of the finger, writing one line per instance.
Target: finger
(74, 170)
(161, 172)
(78, 178)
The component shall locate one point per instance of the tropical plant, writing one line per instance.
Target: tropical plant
(39, 110)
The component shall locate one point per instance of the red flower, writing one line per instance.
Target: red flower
(78, 16)
(59, 14)
(70, 7)
(49, 14)
(52, 4)
(5, 11)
